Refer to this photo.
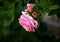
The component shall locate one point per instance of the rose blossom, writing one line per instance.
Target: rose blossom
(34, 14)
(27, 22)
(30, 6)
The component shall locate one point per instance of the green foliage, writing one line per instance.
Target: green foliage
(53, 7)
(44, 3)
(8, 6)
(6, 17)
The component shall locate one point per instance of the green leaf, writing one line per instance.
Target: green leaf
(9, 16)
(44, 4)
(53, 7)
(7, 5)
(55, 11)
(2, 13)
(43, 15)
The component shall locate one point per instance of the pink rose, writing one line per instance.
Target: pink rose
(29, 6)
(34, 14)
(27, 22)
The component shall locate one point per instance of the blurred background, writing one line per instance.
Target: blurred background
(12, 31)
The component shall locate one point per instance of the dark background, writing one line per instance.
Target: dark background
(17, 34)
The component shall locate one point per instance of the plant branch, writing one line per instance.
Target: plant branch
(44, 11)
